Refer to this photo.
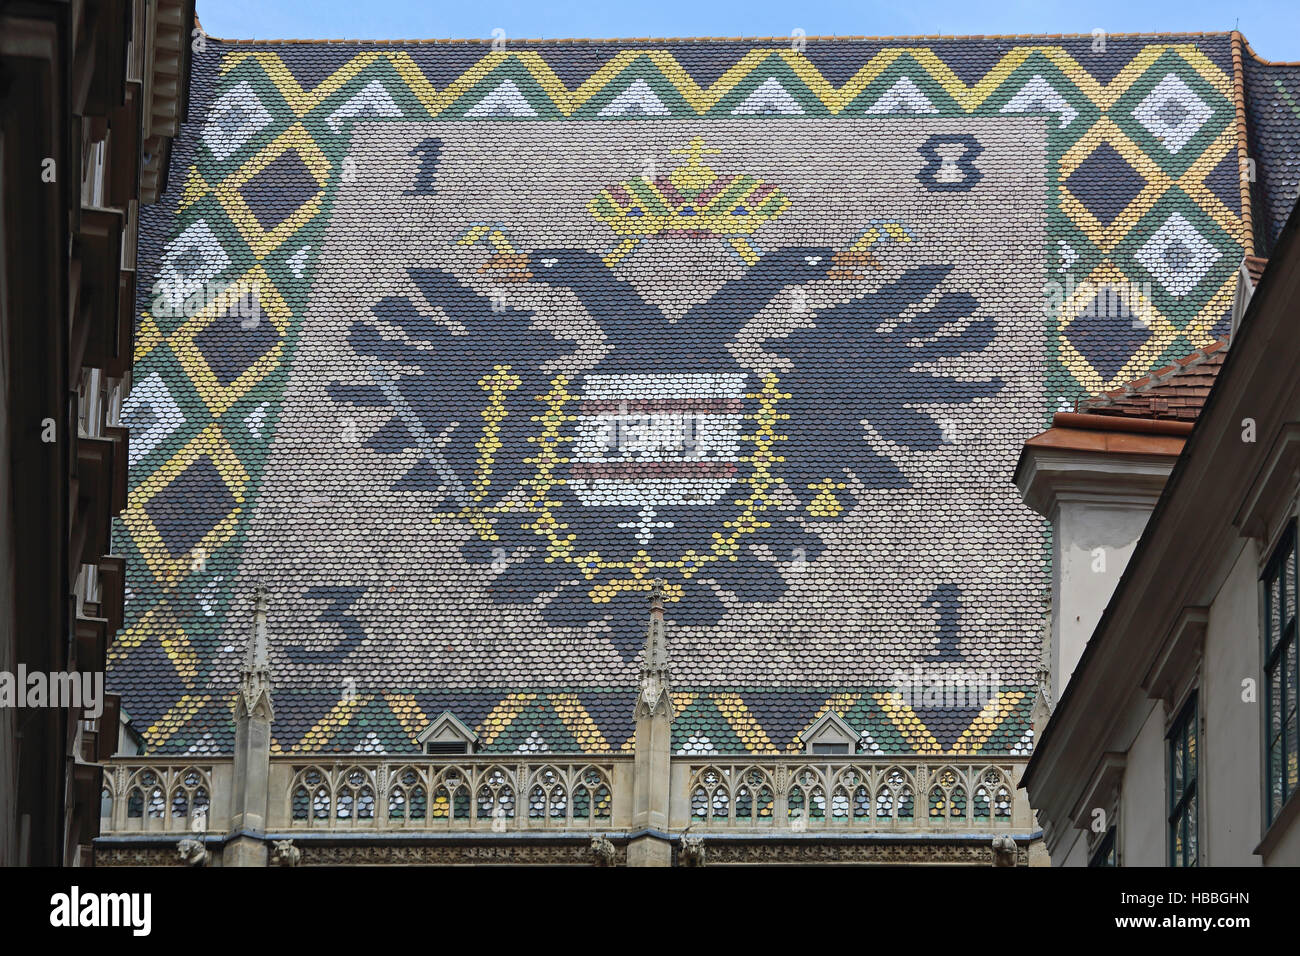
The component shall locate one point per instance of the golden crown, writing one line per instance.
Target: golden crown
(693, 201)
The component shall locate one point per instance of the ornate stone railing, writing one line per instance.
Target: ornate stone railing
(930, 795)
(448, 794)
(144, 796)
(922, 796)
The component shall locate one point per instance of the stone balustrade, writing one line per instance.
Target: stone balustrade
(579, 794)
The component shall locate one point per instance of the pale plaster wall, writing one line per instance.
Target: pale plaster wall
(1287, 850)
(1142, 797)
(1073, 853)
(1086, 578)
(1232, 771)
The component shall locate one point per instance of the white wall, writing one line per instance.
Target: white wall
(1286, 852)
(1142, 817)
(1232, 771)
(1072, 854)
(1083, 525)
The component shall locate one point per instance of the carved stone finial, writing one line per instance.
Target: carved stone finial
(254, 698)
(656, 644)
(284, 853)
(192, 852)
(691, 852)
(1005, 851)
(656, 688)
(602, 851)
(258, 654)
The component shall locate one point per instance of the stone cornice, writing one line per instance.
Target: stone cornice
(1101, 789)
(1047, 475)
(1178, 654)
(1273, 486)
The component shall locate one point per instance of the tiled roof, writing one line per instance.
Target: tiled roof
(1272, 100)
(536, 325)
(1177, 391)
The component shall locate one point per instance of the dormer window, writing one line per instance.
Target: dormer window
(445, 748)
(830, 749)
(830, 734)
(447, 736)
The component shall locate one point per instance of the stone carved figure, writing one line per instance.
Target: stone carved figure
(691, 852)
(284, 853)
(602, 851)
(1004, 851)
(192, 852)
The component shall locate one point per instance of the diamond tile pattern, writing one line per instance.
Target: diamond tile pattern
(232, 343)
(278, 191)
(1105, 183)
(419, 446)
(1178, 256)
(1107, 332)
(1172, 113)
(188, 507)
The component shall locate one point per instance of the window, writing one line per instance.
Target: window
(1182, 742)
(447, 736)
(444, 748)
(830, 748)
(830, 734)
(1280, 676)
(1104, 854)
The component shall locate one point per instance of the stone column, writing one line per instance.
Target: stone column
(653, 749)
(252, 770)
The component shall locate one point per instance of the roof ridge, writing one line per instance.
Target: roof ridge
(1156, 377)
(1240, 118)
(537, 41)
(1259, 59)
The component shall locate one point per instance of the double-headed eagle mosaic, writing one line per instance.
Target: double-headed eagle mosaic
(668, 458)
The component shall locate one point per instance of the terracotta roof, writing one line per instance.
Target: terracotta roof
(1176, 391)
(1255, 265)
(1112, 435)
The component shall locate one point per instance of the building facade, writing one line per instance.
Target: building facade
(462, 351)
(1174, 741)
(92, 93)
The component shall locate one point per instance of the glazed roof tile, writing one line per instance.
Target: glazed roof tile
(1272, 101)
(457, 348)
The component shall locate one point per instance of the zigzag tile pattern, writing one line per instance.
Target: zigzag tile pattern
(339, 215)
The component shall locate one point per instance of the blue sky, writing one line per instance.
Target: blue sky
(1273, 28)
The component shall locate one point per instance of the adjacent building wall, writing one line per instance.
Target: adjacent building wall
(1142, 796)
(1094, 539)
(8, 738)
(1231, 756)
